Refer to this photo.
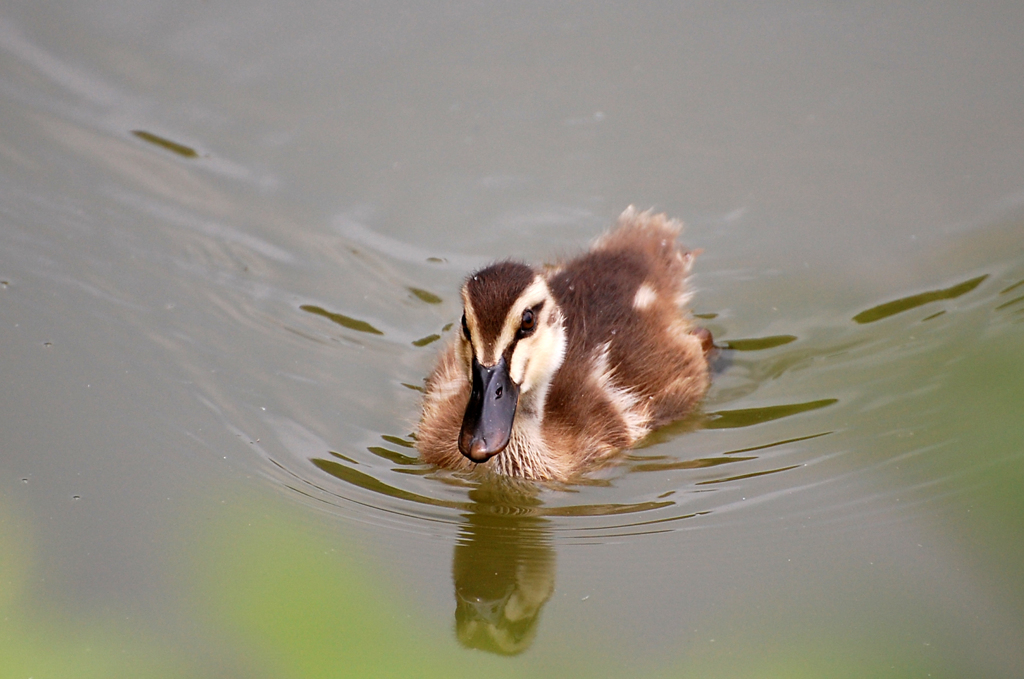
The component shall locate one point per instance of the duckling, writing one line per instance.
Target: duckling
(555, 370)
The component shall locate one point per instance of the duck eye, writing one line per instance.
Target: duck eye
(529, 323)
(465, 327)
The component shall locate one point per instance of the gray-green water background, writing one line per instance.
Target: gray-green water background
(231, 234)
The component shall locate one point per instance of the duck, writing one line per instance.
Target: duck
(554, 370)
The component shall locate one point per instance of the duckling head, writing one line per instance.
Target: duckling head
(512, 343)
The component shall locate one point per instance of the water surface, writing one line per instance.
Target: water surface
(231, 241)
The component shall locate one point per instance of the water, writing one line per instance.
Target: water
(232, 238)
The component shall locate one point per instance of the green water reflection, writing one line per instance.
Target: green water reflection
(898, 306)
(746, 417)
(342, 320)
(172, 146)
(758, 343)
(425, 296)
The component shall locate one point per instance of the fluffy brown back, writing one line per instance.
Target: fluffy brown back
(650, 350)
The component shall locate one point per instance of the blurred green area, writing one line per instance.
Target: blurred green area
(39, 641)
(272, 598)
(295, 604)
(268, 598)
(267, 595)
(985, 420)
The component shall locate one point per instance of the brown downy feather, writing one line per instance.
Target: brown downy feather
(633, 359)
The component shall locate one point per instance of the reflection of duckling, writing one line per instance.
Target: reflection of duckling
(503, 569)
(555, 370)
(498, 611)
